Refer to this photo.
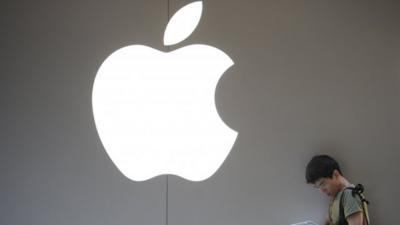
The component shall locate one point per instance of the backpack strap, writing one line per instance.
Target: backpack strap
(342, 218)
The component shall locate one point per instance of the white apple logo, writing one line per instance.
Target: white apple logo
(155, 111)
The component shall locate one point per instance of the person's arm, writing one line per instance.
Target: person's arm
(327, 221)
(355, 218)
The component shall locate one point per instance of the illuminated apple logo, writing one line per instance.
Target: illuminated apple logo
(155, 111)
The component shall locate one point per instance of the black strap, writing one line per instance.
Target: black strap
(342, 218)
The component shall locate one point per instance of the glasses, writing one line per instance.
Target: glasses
(320, 184)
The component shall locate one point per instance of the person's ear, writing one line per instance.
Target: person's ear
(335, 174)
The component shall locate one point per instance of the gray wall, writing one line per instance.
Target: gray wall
(307, 74)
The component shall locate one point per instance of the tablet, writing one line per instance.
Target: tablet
(308, 222)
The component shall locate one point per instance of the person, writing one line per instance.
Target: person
(323, 172)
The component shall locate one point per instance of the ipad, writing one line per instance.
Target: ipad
(308, 222)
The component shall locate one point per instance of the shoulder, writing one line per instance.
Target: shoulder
(349, 195)
(351, 202)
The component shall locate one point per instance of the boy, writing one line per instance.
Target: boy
(324, 173)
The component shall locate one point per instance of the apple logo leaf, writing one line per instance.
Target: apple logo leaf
(183, 23)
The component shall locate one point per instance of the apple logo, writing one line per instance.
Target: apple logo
(155, 111)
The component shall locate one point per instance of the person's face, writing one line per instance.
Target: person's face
(328, 186)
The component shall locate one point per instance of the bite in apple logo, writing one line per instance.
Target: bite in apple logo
(155, 111)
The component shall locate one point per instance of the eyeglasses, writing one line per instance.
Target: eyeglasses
(319, 184)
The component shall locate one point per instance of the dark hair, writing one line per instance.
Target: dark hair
(321, 166)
